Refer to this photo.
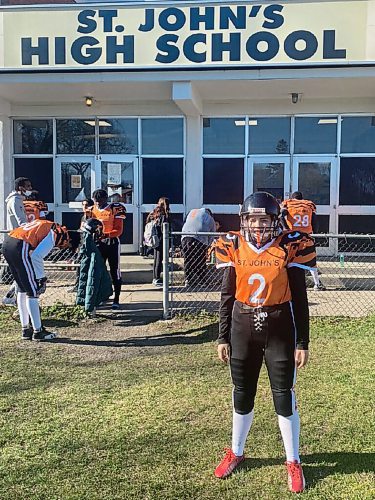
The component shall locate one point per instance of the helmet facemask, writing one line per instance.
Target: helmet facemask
(258, 227)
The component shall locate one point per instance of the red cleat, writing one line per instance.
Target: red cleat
(296, 479)
(228, 464)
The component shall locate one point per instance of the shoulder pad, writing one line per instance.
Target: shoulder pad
(118, 208)
(232, 238)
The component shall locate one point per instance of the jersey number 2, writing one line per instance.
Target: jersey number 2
(254, 298)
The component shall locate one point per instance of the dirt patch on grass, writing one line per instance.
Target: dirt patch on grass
(111, 337)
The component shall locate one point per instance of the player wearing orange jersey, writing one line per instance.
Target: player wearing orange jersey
(298, 214)
(24, 249)
(264, 315)
(112, 216)
(35, 209)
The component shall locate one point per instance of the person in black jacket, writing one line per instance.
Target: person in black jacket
(159, 215)
(264, 315)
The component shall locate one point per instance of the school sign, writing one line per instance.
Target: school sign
(169, 37)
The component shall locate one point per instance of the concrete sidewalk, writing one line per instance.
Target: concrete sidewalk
(138, 300)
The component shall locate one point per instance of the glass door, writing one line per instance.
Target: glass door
(316, 177)
(74, 182)
(269, 174)
(118, 175)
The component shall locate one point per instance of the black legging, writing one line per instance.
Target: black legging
(267, 333)
(158, 261)
(110, 251)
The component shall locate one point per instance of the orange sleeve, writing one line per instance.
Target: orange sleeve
(302, 253)
(117, 228)
(224, 251)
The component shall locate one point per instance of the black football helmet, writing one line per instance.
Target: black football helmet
(260, 203)
(93, 227)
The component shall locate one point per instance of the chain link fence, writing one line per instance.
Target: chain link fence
(192, 283)
(346, 265)
(61, 269)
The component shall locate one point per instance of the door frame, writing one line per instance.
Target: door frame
(131, 208)
(249, 171)
(332, 209)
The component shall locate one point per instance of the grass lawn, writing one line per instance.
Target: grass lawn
(151, 422)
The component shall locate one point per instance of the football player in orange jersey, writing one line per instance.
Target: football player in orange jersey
(112, 216)
(24, 249)
(34, 208)
(298, 214)
(264, 315)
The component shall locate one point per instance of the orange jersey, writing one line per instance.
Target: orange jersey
(299, 216)
(261, 274)
(35, 210)
(112, 217)
(33, 232)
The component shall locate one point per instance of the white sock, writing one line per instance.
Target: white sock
(315, 275)
(241, 428)
(289, 427)
(32, 304)
(22, 309)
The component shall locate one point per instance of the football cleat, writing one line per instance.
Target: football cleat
(43, 334)
(27, 334)
(319, 287)
(296, 479)
(228, 464)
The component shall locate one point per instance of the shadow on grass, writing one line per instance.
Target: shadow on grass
(318, 466)
(133, 314)
(58, 323)
(207, 333)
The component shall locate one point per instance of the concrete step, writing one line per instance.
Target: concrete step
(136, 269)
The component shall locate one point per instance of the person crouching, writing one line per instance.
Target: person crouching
(24, 249)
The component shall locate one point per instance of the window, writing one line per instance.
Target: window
(323, 228)
(33, 136)
(127, 236)
(75, 136)
(314, 180)
(75, 181)
(162, 177)
(269, 177)
(228, 222)
(269, 136)
(118, 136)
(162, 136)
(118, 180)
(72, 220)
(40, 172)
(358, 134)
(357, 181)
(315, 135)
(356, 224)
(223, 135)
(223, 181)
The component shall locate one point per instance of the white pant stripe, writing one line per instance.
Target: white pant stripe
(29, 270)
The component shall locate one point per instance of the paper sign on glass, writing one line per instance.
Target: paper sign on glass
(76, 181)
(114, 174)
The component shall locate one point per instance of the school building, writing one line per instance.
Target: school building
(203, 102)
